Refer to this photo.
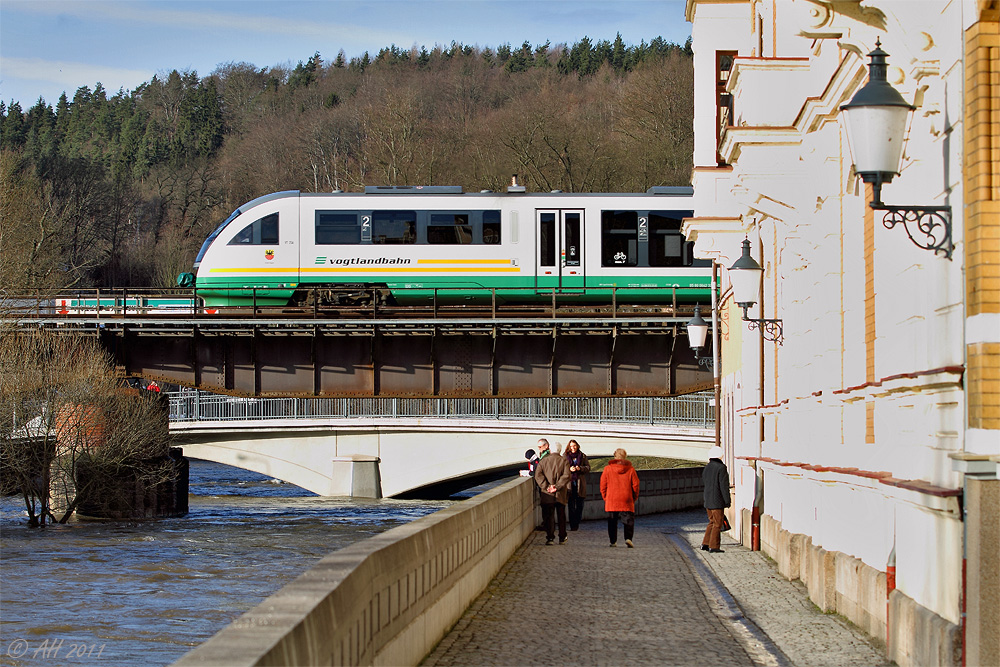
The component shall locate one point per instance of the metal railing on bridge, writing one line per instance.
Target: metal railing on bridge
(695, 410)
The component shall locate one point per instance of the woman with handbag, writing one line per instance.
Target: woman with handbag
(716, 480)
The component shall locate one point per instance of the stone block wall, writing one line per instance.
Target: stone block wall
(838, 582)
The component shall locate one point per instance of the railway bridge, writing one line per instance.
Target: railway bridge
(561, 346)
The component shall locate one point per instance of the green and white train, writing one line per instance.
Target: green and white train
(414, 244)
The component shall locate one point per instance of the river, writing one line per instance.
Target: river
(145, 593)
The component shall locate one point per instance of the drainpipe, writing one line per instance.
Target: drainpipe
(755, 512)
(716, 363)
(890, 586)
(758, 487)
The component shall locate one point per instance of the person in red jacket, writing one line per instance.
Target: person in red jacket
(620, 488)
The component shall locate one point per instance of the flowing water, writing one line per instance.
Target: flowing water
(145, 593)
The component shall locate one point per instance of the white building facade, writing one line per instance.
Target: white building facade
(863, 443)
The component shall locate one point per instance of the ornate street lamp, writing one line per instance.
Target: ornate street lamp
(745, 275)
(697, 330)
(876, 124)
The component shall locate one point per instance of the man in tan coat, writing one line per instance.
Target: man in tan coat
(552, 476)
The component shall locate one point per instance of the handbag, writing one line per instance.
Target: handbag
(725, 523)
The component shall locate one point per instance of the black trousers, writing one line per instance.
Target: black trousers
(627, 519)
(575, 508)
(548, 520)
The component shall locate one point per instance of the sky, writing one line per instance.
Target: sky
(51, 46)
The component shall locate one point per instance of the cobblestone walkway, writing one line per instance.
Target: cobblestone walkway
(661, 603)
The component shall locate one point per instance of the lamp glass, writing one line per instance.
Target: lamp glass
(745, 275)
(746, 284)
(875, 136)
(697, 329)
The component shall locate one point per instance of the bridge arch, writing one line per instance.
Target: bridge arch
(390, 456)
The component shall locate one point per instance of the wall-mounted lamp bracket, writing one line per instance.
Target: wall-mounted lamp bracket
(772, 330)
(929, 227)
(707, 362)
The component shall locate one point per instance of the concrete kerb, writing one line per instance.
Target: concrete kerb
(758, 645)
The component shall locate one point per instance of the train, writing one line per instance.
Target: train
(414, 244)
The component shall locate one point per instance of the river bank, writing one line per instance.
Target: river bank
(132, 593)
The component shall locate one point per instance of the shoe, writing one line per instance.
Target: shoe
(612, 544)
(629, 544)
(574, 527)
(549, 542)
(564, 540)
(716, 551)
(704, 547)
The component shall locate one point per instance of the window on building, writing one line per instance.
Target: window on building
(724, 61)
(263, 231)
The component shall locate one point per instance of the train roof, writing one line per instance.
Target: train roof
(513, 191)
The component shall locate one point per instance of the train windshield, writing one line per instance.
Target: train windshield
(211, 237)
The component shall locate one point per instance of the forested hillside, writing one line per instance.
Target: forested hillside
(121, 189)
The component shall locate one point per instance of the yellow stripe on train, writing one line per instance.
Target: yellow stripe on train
(371, 269)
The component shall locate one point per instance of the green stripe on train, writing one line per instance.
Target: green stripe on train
(277, 290)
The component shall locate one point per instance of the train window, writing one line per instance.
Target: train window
(337, 228)
(619, 238)
(666, 243)
(449, 228)
(269, 229)
(491, 227)
(394, 227)
(571, 239)
(263, 231)
(547, 239)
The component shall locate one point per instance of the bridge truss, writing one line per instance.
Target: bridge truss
(413, 351)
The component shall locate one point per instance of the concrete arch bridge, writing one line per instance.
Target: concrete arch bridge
(402, 445)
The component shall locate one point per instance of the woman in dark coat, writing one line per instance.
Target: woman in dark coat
(579, 466)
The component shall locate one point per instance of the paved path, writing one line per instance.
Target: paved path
(665, 602)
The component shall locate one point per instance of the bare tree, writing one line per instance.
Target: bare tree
(69, 430)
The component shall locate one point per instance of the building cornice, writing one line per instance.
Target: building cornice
(689, 8)
(735, 138)
(713, 237)
(849, 76)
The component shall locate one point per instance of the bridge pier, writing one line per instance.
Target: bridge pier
(356, 476)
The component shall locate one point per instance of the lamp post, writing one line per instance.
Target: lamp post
(745, 275)
(875, 120)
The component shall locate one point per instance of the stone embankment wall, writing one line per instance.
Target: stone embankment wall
(389, 599)
(386, 600)
(659, 491)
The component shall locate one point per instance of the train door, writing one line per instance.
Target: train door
(559, 256)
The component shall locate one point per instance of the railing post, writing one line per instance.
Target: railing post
(197, 405)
